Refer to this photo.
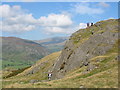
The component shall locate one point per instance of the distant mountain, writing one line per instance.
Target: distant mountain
(53, 44)
(17, 52)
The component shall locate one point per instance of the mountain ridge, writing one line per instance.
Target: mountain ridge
(22, 50)
(54, 44)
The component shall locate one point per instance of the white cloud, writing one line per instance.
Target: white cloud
(56, 23)
(85, 8)
(82, 25)
(103, 4)
(59, 30)
(111, 18)
(55, 30)
(17, 28)
(53, 20)
(16, 20)
(67, 30)
(8, 11)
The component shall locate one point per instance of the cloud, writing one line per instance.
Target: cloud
(103, 4)
(82, 25)
(59, 30)
(59, 20)
(17, 28)
(17, 20)
(63, 30)
(85, 8)
(67, 28)
(8, 11)
(111, 18)
(52, 30)
(56, 23)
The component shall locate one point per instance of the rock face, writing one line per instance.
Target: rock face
(85, 44)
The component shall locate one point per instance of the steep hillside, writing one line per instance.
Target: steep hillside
(53, 44)
(105, 76)
(42, 67)
(88, 60)
(18, 52)
(85, 44)
(35, 73)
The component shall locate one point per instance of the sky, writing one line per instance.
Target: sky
(40, 20)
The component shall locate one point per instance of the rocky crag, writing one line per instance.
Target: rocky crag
(85, 44)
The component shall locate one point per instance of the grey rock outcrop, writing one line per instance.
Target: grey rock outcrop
(80, 48)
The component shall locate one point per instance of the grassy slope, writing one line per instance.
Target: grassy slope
(44, 64)
(105, 75)
(17, 64)
(105, 79)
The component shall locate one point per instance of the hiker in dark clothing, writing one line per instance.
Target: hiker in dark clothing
(92, 24)
(88, 25)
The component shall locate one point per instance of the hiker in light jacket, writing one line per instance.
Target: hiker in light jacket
(49, 76)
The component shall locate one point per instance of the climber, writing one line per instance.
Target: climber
(49, 75)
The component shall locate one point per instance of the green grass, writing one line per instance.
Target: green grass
(16, 72)
(17, 64)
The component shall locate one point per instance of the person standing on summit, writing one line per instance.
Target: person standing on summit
(92, 24)
(88, 25)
